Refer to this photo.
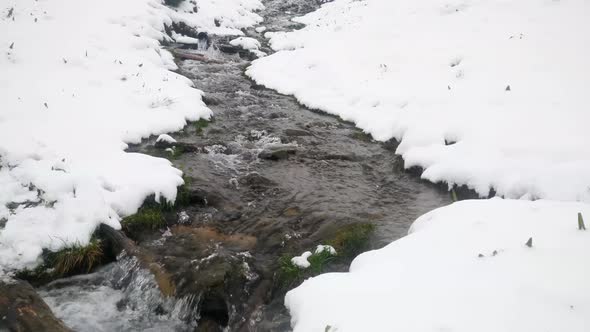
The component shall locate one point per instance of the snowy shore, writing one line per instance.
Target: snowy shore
(80, 80)
(488, 94)
(435, 279)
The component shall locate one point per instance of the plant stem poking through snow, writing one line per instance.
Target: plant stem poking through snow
(581, 225)
(454, 195)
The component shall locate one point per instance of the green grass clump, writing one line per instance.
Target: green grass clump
(290, 275)
(362, 136)
(75, 258)
(183, 195)
(146, 219)
(581, 225)
(200, 125)
(349, 241)
(352, 240)
(454, 195)
(318, 261)
(37, 276)
(177, 151)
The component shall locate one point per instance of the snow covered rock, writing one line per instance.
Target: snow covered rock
(321, 248)
(301, 261)
(165, 138)
(246, 43)
(462, 268)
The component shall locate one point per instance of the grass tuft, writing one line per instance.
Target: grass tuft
(76, 258)
(352, 240)
(318, 261)
(454, 196)
(183, 195)
(200, 125)
(177, 152)
(581, 225)
(147, 218)
(290, 275)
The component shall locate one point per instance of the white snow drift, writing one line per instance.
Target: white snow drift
(435, 280)
(506, 81)
(489, 94)
(81, 79)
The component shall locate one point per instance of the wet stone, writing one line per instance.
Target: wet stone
(297, 132)
(22, 309)
(277, 153)
(211, 100)
(256, 180)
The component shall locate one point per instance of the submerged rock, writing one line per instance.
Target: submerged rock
(297, 132)
(277, 152)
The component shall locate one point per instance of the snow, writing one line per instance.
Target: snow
(434, 279)
(301, 261)
(218, 17)
(260, 29)
(182, 39)
(246, 43)
(80, 80)
(487, 94)
(426, 72)
(324, 247)
(165, 138)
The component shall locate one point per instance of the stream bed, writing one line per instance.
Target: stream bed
(270, 177)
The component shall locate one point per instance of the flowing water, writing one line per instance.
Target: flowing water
(272, 176)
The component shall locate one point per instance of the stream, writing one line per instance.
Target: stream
(269, 177)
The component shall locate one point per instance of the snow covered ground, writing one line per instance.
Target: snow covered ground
(506, 81)
(488, 94)
(81, 79)
(435, 280)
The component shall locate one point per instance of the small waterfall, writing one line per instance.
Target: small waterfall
(121, 296)
(203, 43)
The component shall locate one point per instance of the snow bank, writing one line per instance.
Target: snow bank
(246, 43)
(219, 17)
(426, 72)
(80, 79)
(434, 279)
